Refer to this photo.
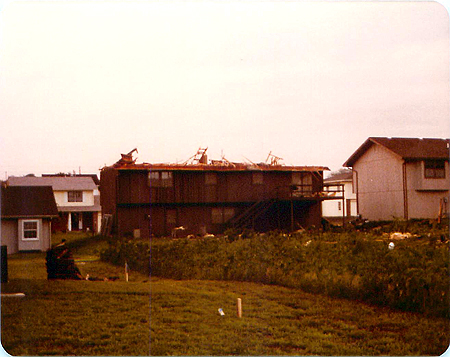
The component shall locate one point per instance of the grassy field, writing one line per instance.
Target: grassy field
(74, 317)
(168, 317)
(351, 264)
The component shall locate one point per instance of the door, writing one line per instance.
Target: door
(76, 222)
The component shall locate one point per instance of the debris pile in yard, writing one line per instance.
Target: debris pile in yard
(60, 263)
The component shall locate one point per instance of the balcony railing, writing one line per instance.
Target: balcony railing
(329, 191)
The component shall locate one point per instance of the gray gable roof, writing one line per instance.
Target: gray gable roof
(341, 176)
(69, 183)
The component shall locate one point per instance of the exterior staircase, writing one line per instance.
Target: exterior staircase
(247, 218)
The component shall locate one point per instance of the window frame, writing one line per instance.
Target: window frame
(153, 179)
(166, 178)
(23, 229)
(431, 168)
(160, 179)
(74, 196)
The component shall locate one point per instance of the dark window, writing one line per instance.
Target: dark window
(166, 179)
(211, 178)
(171, 217)
(435, 169)
(217, 215)
(257, 178)
(221, 215)
(75, 196)
(153, 178)
(160, 179)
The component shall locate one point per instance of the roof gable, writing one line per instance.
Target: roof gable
(28, 201)
(406, 148)
(67, 183)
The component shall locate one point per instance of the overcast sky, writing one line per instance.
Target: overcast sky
(83, 82)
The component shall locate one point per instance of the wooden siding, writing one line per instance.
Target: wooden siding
(191, 198)
(190, 187)
(107, 189)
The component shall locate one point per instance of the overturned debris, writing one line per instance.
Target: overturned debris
(60, 263)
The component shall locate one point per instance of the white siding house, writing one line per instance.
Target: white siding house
(335, 210)
(401, 178)
(76, 199)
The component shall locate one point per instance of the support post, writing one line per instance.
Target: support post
(239, 307)
(292, 211)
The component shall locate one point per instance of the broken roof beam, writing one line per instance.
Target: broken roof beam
(126, 159)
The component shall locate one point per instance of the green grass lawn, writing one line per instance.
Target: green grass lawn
(281, 321)
(167, 317)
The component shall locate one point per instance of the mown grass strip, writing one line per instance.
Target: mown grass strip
(281, 321)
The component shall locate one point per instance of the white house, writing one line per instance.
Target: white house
(401, 178)
(335, 210)
(76, 198)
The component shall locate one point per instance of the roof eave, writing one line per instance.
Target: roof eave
(29, 216)
(363, 148)
(358, 153)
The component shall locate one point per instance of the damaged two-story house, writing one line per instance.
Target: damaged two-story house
(204, 196)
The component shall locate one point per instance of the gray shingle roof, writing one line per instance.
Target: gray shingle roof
(342, 176)
(71, 183)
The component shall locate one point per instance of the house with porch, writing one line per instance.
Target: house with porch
(401, 178)
(76, 197)
(342, 210)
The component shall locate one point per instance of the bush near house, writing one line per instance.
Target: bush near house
(414, 276)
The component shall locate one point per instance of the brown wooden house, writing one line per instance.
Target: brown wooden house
(209, 197)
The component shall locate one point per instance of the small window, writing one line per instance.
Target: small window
(211, 178)
(153, 178)
(296, 178)
(75, 196)
(435, 169)
(257, 178)
(30, 230)
(160, 179)
(166, 179)
(217, 215)
(228, 213)
(171, 217)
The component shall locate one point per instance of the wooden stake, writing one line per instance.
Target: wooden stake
(239, 307)
(126, 272)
